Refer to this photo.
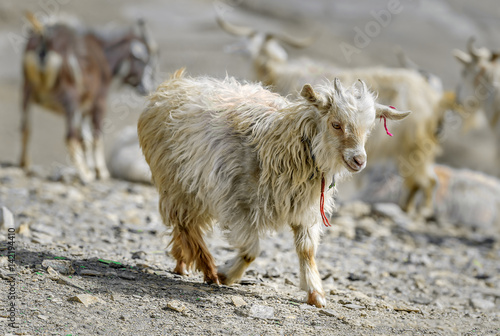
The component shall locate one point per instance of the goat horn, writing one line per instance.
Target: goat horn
(364, 89)
(146, 34)
(233, 29)
(473, 51)
(296, 43)
(37, 25)
(337, 85)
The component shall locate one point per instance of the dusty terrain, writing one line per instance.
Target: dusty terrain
(384, 273)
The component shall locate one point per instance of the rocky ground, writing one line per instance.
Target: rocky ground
(90, 260)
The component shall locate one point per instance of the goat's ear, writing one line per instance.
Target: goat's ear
(309, 94)
(390, 112)
(462, 56)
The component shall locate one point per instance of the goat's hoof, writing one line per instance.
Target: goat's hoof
(223, 279)
(212, 280)
(102, 175)
(181, 268)
(316, 299)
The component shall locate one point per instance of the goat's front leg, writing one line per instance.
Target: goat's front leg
(98, 146)
(249, 249)
(74, 139)
(306, 242)
(25, 126)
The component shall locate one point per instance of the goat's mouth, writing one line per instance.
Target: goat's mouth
(353, 167)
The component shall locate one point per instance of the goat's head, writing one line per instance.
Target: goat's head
(345, 119)
(478, 76)
(139, 67)
(261, 44)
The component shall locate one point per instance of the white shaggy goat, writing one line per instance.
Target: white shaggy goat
(415, 145)
(253, 161)
(479, 89)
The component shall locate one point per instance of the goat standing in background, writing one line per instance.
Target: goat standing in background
(253, 161)
(69, 71)
(479, 89)
(416, 143)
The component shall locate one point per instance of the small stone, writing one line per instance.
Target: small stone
(4, 261)
(90, 272)
(68, 282)
(328, 312)
(61, 266)
(356, 277)
(43, 317)
(423, 300)
(481, 304)
(261, 312)
(86, 299)
(354, 306)
(6, 219)
(238, 301)
(176, 305)
(126, 276)
(407, 309)
(139, 255)
(53, 274)
(289, 282)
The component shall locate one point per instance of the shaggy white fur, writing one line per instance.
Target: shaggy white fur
(253, 161)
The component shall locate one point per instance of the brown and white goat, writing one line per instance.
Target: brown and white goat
(253, 161)
(69, 70)
(414, 146)
(479, 89)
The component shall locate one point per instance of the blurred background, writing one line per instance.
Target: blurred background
(188, 35)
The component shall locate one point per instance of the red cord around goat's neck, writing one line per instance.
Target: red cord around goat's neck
(322, 203)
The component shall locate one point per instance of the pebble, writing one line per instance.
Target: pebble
(6, 219)
(261, 312)
(90, 272)
(238, 301)
(328, 312)
(139, 255)
(354, 306)
(126, 276)
(86, 299)
(176, 305)
(4, 261)
(61, 266)
(482, 304)
(53, 274)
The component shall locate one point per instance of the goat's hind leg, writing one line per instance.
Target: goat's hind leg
(306, 242)
(188, 246)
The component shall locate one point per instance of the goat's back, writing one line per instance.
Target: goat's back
(195, 134)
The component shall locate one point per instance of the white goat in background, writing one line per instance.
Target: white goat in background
(415, 145)
(479, 89)
(255, 162)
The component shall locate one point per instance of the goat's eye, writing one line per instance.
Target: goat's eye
(336, 126)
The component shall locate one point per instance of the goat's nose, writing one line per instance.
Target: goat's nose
(360, 160)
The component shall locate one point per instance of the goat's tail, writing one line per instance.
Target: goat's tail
(178, 74)
(37, 25)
